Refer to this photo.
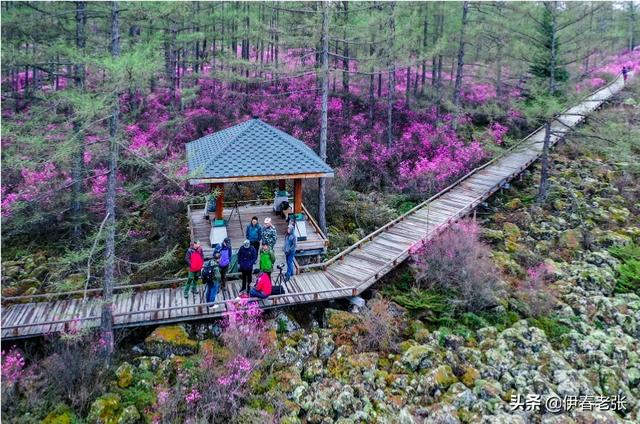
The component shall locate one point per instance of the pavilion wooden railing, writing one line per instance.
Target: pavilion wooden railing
(315, 225)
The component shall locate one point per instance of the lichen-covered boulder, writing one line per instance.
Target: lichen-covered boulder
(418, 357)
(129, 415)
(170, 340)
(124, 375)
(62, 414)
(340, 320)
(326, 345)
(148, 363)
(104, 410)
(569, 240)
(313, 369)
(469, 376)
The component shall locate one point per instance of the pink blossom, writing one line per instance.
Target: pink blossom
(193, 396)
(12, 365)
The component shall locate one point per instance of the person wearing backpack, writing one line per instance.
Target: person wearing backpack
(247, 256)
(254, 233)
(195, 260)
(211, 279)
(262, 289)
(225, 260)
(267, 258)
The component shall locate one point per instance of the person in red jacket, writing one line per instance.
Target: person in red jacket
(195, 261)
(263, 286)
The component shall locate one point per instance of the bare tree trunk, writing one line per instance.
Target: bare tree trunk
(371, 85)
(632, 24)
(554, 53)
(322, 206)
(345, 59)
(543, 189)
(425, 34)
(407, 90)
(106, 322)
(77, 169)
(459, 69)
(391, 69)
(499, 71)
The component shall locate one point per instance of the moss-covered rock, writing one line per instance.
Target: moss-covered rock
(62, 414)
(505, 262)
(129, 415)
(511, 231)
(168, 340)
(619, 214)
(569, 239)
(492, 235)
(105, 409)
(340, 320)
(124, 374)
(469, 376)
(148, 363)
(418, 357)
(513, 204)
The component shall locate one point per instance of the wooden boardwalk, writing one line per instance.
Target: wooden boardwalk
(349, 273)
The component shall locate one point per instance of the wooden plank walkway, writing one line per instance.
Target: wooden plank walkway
(347, 274)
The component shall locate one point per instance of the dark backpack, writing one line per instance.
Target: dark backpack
(207, 273)
(275, 290)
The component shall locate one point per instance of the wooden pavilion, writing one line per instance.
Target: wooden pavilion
(247, 152)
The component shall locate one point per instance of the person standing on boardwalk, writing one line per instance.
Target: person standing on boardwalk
(267, 259)
(269, 234)
(625, 73)
(225, 260)
(290, 243)
(247, 256)
(254, 233)
(195, 260)
(211, 279)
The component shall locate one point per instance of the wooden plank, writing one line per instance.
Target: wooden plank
(44, 308)
(10, 313)
(52, 315)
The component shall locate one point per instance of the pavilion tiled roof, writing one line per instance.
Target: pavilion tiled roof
(252, 149)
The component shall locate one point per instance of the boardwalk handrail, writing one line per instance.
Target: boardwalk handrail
(419, 206)
(275, 298)
(436, 230)
(315, 225)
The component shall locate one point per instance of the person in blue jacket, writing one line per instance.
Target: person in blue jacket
(247, 256)
(290, 244)
(254, 233)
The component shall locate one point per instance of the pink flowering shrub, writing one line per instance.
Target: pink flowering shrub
(535, 292)
(217, 389)
(193, 397)
(497, 132)
(12, 365)
(456, 263)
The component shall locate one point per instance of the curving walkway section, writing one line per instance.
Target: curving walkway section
(349, 273)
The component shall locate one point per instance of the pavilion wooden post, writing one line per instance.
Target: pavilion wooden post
(297, 195)
(219, 200)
